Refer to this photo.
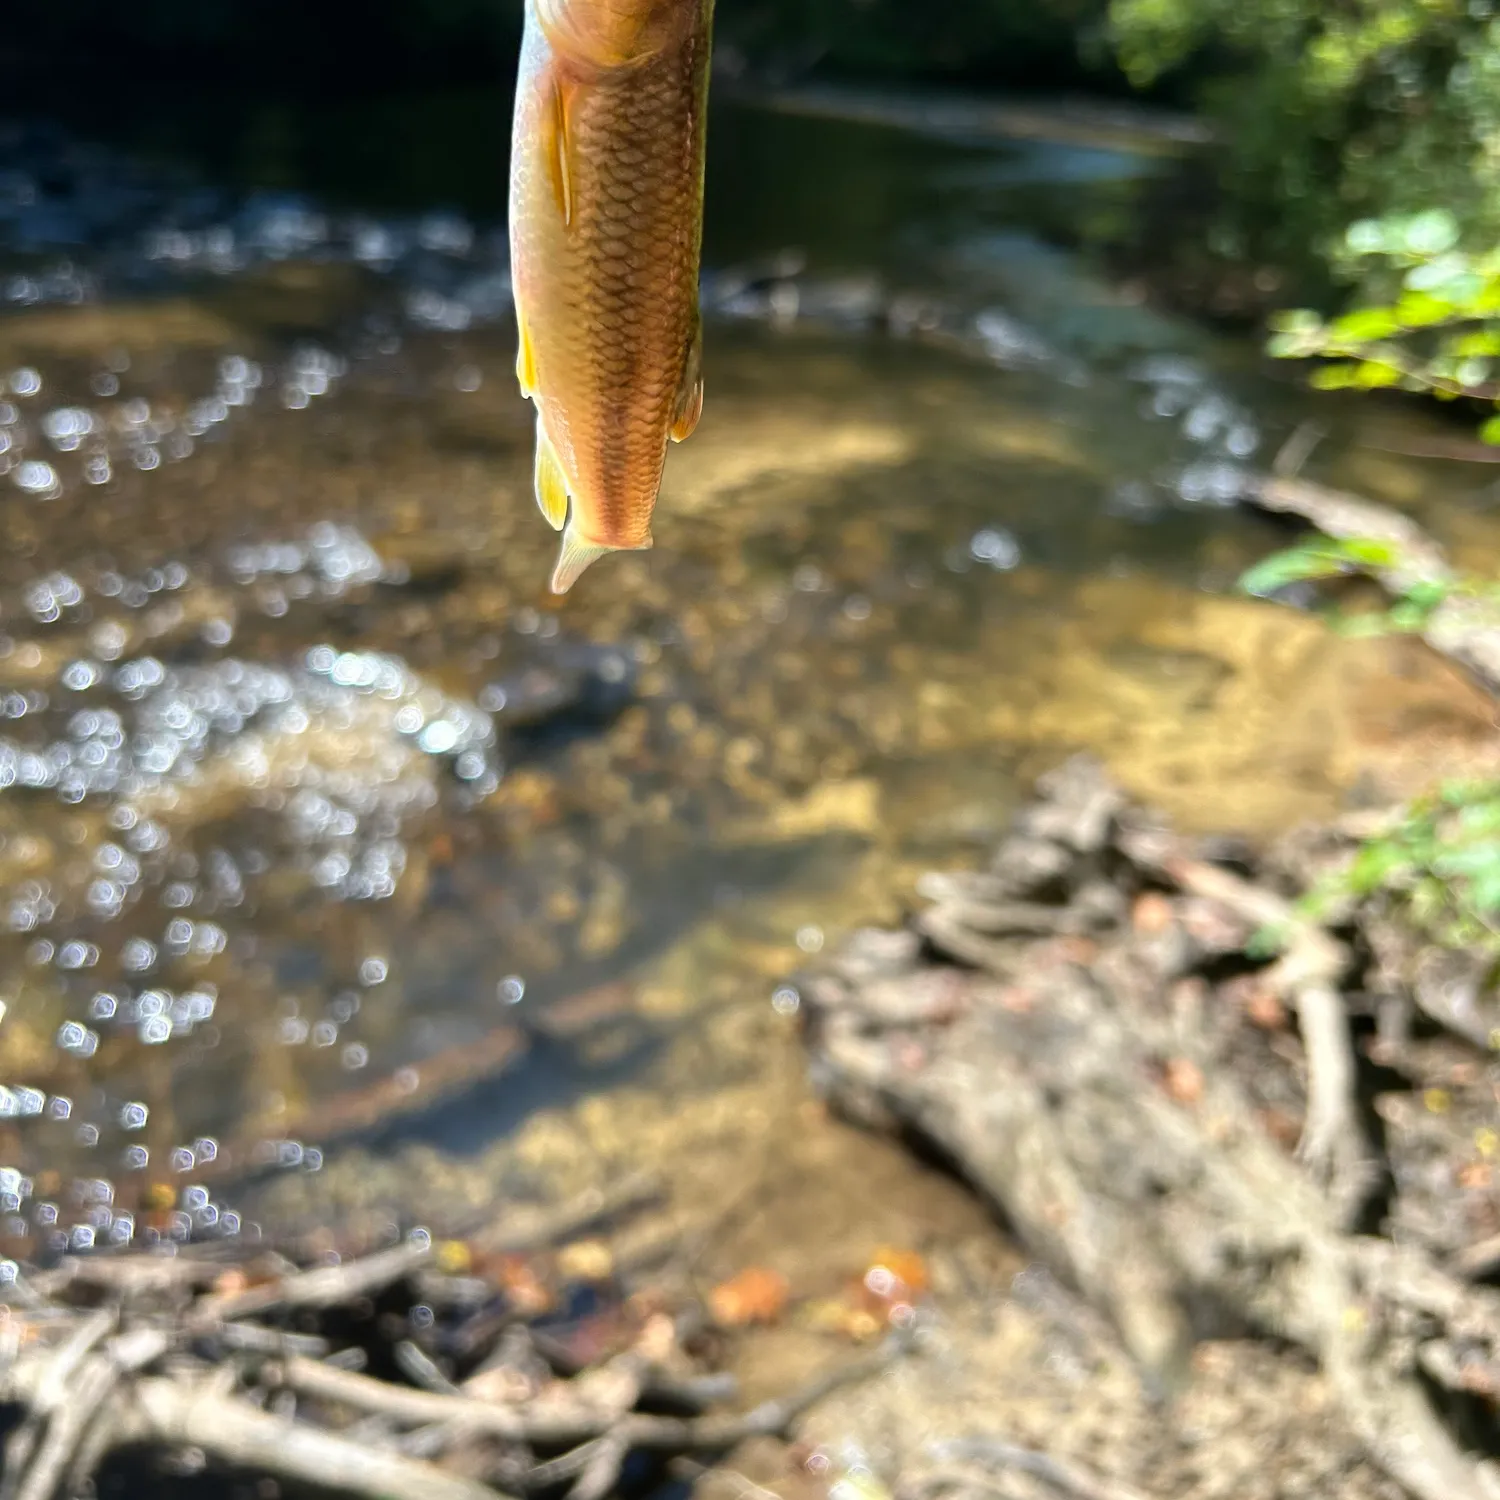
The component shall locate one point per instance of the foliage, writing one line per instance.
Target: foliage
(1434, 323)
(1320, 558)
(1333, 113)
(1439, 863)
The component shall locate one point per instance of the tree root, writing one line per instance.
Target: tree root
(1083, 1089)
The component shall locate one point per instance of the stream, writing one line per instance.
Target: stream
(342, 870)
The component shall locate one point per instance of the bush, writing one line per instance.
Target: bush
(1334, 112)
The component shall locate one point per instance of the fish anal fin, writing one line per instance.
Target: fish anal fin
(551, 482)
(576, 557)
(557, 142)
(690, 393)
(578, 554)
(525, 355)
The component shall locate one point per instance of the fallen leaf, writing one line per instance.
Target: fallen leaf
(1183, 1079)
(588, 1260)
(1152, 913)
(526, 1292)
(756, 1295)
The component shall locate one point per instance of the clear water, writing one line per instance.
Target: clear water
(320, 822)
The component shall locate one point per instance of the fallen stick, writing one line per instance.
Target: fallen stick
(234, 1432)
(1074, 1481)
(51, 1392)
(517, 1232)
(1333, 1143)
(521, 1425)
(325, 1286)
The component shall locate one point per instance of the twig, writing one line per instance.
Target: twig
(420, 1370)
(1072, 1479)
(1333, 1144)
(236, 1433)
(419, 1408)
(51, 1390)
(86, 1409)
(255, 1338)
(87, 1396)
(518, 1232)
(1297, 449)
(599, 1474)
(1478, 1259)
(325, 1286)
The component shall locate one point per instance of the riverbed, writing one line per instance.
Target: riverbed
(345, 874)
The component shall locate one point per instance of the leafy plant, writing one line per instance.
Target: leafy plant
(1361, 110)
(1435, 329)
(1439, 863)
(1321, 558)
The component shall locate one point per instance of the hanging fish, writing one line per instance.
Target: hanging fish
(606, 227)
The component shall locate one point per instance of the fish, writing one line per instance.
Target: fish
(606, 235)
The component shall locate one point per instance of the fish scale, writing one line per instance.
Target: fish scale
(606, 228)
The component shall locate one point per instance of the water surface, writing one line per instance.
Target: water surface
(327, 836)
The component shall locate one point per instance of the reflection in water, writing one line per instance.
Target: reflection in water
(314, 810)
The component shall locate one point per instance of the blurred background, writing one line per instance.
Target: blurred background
(344, 872)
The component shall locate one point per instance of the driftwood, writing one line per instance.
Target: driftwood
(1083, 1081)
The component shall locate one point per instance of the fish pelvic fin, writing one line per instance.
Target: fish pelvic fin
(551, 482)
(690, 392)
(557, 142)
(525, 356)
(578, 554)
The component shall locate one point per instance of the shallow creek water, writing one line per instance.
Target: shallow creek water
(343, 871)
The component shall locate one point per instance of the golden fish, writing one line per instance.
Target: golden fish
(606, 226)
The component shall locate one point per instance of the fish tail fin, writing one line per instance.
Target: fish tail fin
(578, 554)
(551, 482)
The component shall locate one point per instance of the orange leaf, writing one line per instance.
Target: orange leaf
(756, 1295)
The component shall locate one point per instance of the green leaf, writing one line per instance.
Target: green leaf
(1296, 320)
(1373, 374)
(1268, 941)
(1476, 860)
(1428, 595)
(1485, 892)
(1422, 310)
(1480, 817)
(1366, 237)
(1366, 325)
(1490, 432)
(1430, 233)
(1333, 377)
(1377, 865)
(1407, 617)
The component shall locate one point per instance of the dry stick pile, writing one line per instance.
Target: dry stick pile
(1081, 1029)
(191, 1354)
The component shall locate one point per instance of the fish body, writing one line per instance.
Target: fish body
(606, 226)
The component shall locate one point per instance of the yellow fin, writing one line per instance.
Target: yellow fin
(525, 356)
(575, 557)
(577, 554)
(551, 482)
(690, 393)
(557, 144)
